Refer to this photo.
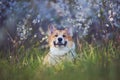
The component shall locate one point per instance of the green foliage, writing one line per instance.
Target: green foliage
(92, 63)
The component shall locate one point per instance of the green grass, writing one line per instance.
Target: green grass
(92, 63)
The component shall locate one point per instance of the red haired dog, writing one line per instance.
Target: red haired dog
(62, 46)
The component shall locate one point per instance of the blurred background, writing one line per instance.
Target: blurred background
(25, 22)
(23, 39)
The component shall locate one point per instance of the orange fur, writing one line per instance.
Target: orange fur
(59, 32)
(59, 51)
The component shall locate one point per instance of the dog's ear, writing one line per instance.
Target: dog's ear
(69, 31)
(51, 28)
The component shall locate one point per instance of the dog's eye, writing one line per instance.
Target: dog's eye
(64, 35)
(56, 35)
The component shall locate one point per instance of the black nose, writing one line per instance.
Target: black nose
(59, 39)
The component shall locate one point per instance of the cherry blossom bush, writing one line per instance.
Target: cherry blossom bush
(25, 22)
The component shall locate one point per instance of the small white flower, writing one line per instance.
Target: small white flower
(34, 21)
(24, 31)
(28, 16)
(30, 29)
(0, 2)
(111, 5)
(21, 34)
(109, 12)
(38, 20)
(99, 15)
(35, 36)
(114, 13)
(107, 25)
(10, 57)
(111, 19)
(23, 26)
(21, 38)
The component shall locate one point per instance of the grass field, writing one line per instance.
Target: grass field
(92, 63)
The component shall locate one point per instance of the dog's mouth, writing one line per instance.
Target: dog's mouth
(60, 44)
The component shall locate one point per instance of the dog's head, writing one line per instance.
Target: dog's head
(60, 38)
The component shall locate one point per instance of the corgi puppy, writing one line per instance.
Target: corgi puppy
(62, 46)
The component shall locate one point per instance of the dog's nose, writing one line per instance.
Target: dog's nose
(59, 39)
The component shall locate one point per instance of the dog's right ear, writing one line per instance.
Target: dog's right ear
(51, 29)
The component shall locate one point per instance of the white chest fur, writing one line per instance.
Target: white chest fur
(56, 55)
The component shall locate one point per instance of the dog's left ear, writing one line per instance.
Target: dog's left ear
(69, 31)
(51, 29)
